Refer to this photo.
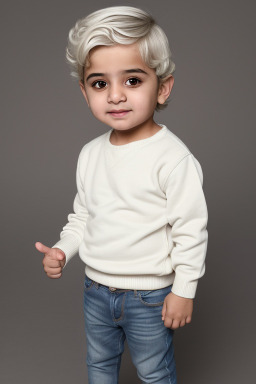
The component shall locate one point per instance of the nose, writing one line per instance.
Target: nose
(116, 93)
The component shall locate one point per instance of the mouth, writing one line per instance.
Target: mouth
(118, 113)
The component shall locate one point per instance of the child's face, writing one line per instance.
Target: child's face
(119, 80)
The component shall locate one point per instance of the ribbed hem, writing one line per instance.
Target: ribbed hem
(69, 245)
(143, 282)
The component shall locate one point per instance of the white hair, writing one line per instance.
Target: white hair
(120, 25)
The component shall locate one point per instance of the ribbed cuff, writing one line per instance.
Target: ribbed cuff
(183, 288)
(69, 245)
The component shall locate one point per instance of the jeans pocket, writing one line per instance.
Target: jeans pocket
(88, 283)
(155, 297)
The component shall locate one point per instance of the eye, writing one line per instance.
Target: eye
(134, 81)
(99, 84)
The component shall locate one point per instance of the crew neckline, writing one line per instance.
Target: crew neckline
(136, 142)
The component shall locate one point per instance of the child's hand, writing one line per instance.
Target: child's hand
(53, 261)
(177, 311)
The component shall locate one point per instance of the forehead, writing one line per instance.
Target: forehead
(115, 58)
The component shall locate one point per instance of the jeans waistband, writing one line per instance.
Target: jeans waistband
(113, 289)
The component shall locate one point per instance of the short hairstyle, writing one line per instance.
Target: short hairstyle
(120, 25)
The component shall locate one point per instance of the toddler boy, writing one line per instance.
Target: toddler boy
(140, 216)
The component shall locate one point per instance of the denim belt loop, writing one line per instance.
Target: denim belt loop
(96, 284)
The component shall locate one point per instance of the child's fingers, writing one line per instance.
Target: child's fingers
(53, 272)
(55, 276)
(166, 317)
(42, 248)
(164, 310)
(175, 324)
(168, 321)
(59, 254)
(182, 323)
(51, 263)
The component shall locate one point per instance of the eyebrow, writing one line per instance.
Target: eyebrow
(133, 70)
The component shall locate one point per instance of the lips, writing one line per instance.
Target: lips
(118, 112)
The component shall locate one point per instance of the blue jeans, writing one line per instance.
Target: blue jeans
(113, 315)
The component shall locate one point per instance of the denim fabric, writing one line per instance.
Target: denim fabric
(111, 316)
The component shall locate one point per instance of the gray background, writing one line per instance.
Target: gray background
(44, 124)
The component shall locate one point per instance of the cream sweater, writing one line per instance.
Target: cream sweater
(140, 214)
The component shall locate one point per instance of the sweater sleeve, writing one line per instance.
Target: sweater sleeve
(187, 214)
(73, 232)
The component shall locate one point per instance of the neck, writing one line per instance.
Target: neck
(119, 137)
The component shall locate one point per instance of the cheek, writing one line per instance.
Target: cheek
(145, 102)
(96, 104)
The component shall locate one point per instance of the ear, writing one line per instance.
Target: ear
(165, 88)
(84, 92)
